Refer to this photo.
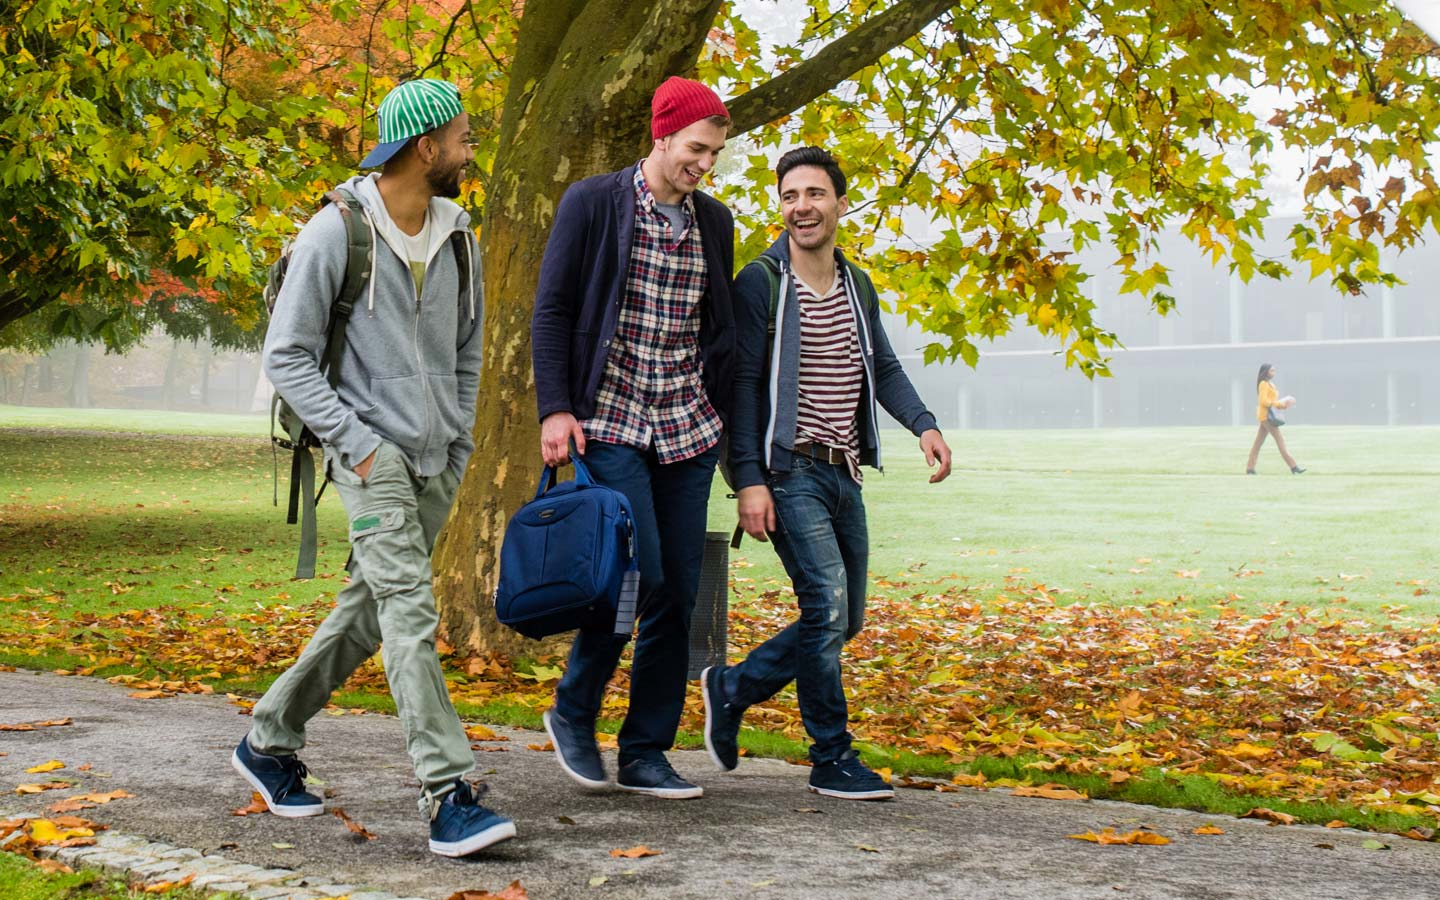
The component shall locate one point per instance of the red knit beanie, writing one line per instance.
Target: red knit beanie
(679, 102)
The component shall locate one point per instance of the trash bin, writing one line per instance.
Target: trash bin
(709, 623)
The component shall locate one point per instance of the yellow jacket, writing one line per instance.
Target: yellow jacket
(1268, 395)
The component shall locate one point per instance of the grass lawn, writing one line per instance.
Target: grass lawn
(1119, 610)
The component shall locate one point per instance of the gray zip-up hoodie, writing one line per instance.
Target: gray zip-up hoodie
(410, 370)
(767, 390)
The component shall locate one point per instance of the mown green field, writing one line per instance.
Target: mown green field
(1122, 515)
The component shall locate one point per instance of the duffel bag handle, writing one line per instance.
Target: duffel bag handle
(549, 475)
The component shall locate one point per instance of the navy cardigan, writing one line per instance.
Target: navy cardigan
(582, 281)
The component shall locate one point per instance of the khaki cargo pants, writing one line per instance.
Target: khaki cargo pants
(395, 516)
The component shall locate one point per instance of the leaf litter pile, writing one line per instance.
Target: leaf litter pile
(1290, 704)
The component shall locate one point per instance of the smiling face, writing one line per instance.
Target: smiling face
(681, 160)
(810, 207)
(452, 152)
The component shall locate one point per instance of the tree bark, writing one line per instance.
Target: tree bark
(578, 104)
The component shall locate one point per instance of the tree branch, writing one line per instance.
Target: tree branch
(838, 60)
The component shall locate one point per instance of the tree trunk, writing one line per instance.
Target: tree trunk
(578, 104)
(172, 371)
(80, 377)
(207, 360)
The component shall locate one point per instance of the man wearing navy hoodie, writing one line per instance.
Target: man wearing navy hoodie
(396, 434)
(813, 366)
(632, 340)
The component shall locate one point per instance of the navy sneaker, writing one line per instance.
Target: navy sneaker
(576, 750)
(722, 721)
(849, 779)
(279, 779)
(656, 778)
(461, 825)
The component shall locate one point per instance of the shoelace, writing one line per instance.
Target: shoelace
(296, 773)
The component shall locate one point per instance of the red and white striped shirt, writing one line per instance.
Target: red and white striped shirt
(831, 371)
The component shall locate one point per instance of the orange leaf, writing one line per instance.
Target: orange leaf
(513, 892)
(1049, 792)
(481, 733)
(975, 781)
(1336, 823)
(161, 887)
(257, 805)
(1270, 815)
(1108, 837)
(635, 852)
(354, 826)
(1209, 829)
(47, 786)
(54, 866)
(148, 695)
(541, 747)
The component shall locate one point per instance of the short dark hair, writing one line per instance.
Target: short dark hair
(811, 156)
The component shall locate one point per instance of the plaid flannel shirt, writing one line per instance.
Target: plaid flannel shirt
(652, 391)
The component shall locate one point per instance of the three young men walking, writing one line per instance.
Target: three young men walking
(645, 354)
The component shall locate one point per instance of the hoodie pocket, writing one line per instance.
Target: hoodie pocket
(401, 409)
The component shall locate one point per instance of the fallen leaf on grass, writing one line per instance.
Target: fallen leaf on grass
(50, 766)
(54, 867)
(161, 887)
(1270, 815)
(354, 826)
(975, 781)
(1108, 837)
(635, 852)
(1336, 823)
(513, 892)
(257, 805)
(1209, 829)
(1049, 792)
(47, 786)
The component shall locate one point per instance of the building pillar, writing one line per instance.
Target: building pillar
(962, 405)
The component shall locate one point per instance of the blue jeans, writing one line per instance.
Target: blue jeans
(669, 503)
(825, 546)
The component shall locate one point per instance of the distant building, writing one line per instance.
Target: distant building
(1367, 360)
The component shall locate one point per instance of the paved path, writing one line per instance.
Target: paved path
(757, 833)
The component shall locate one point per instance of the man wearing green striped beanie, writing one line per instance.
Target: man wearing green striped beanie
(395, 424)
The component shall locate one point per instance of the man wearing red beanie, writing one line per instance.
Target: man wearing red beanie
(633, 340)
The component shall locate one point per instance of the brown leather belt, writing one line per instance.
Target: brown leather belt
(832, 455)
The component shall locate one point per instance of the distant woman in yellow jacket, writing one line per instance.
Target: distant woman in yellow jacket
(1270, 401)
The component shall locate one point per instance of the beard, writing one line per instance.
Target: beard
(444, 178)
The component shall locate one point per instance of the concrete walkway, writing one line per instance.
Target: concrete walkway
(757, 833)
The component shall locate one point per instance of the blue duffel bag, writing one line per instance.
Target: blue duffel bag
(569, 559)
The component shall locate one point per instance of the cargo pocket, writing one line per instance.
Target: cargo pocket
(390, 560)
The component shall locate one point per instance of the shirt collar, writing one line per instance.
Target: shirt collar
(644, 200)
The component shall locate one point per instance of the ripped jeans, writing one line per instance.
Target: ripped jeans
(823, 542)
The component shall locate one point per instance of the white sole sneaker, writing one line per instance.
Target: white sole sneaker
(887, 794)
(478, 841)
(287, 812)
(710, 722)
(689, 793)
(587, 783)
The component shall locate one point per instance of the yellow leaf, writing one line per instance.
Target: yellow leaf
(50, 766)
(1209, 829)
(44, 831)
(1049, 792)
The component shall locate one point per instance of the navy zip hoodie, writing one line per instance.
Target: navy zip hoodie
(767, 391)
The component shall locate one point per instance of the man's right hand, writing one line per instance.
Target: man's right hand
(555, 434)
(757, 511)
(366, 464)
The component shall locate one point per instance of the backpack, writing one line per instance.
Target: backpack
(569, 560)
(297, 436)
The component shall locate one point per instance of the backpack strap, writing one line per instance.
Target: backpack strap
(359, 259)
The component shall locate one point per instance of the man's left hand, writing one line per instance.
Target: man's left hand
(936, 450)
